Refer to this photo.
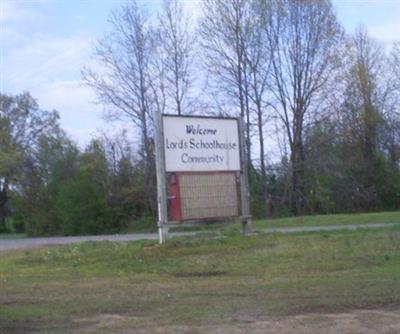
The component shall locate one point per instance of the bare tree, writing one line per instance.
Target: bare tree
(258, 64)
(126, 80)
(395, 64)
(393, 141)
(302, 36)
(223, 28)
(176, 45)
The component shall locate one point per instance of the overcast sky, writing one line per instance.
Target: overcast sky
(45, 44)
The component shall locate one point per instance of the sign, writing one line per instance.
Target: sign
(201, 171)
(201, 144)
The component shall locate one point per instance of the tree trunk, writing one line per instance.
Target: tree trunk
(247, 109)
(266, 198)
(297, 162)
(177, 89)
(369, 150)
(3, 205)
(149, 172)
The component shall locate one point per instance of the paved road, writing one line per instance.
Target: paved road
(28, 243)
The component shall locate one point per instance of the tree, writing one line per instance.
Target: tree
(22, 123)
(302, 38)
(223, 29)
(258, 63)
(395, 64)
(82, 205)
(128, 78)
(176, 45)
(326, 179)
(367, 115)
(392, 141)
(44, 172)
(126, 197)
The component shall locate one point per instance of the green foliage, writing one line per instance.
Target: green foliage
(63, 191)
(387, 184)
(82, 207)
(257, 205)
(146, 223)
(22, 124)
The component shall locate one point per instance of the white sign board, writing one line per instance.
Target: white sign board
(201, 144)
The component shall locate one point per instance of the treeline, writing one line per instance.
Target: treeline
(48, 186)
(320, 108)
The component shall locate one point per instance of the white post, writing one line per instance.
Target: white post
(161, 183)
(244, 181)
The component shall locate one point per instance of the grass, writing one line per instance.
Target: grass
(316, 220)
(337, 219)
(147, 224)
(12, 236)
(104, 286)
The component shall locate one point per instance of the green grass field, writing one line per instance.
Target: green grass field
(339, 219)
(317, 220)
(12, 236)
(96, 287)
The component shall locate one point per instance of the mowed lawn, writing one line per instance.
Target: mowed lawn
(389, 217)
(190, 284)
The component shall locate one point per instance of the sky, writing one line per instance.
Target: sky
(44, 45)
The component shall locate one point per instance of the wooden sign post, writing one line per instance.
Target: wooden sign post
(161, 184)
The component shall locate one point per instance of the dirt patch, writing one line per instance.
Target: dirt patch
(356, 322)
(201, 274)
